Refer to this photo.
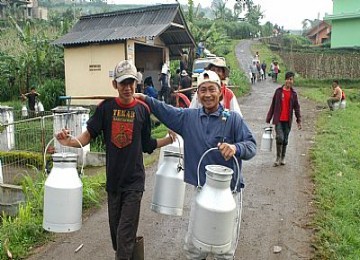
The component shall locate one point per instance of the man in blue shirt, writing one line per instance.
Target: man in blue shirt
(202, 129)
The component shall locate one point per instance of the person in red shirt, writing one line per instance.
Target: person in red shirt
(284, 103)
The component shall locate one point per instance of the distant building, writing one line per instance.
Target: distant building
(23, 9)
(319, 32)
(148, 36)
(345, 22)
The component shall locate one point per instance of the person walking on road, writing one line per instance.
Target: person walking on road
(125, 123)
(263, 67)
(276, 71)
(253, 71)
(284, 104)
(228, 99)
(204, 128)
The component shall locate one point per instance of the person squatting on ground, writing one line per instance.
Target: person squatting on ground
(284, 102)
(228, 98)
(125, 123)
(336, 95)
(201, 129)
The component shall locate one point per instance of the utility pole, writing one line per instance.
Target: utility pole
(318, 28)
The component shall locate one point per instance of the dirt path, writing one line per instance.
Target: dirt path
(277, 201)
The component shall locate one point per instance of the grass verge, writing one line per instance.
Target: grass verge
(336, 163)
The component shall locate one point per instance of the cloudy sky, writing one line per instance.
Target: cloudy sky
(287, 13)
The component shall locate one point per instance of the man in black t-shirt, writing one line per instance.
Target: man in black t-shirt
(125, 123)
(31, 97)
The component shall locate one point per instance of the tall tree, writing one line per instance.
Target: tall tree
(219, 7)
(308, 24)
(239, 7)
(191, 11)
(254, 14)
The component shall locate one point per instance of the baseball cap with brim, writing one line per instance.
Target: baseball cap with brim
(219, 63)
(208, 76)
(125, 70)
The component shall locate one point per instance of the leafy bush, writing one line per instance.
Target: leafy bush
(236, 30)
(50, 92)
(290, 40)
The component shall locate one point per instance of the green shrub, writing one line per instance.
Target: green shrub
(50, 92)
(23, 158)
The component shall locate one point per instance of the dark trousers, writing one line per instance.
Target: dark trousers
(124, 212)
(282, 130)
(164, 94)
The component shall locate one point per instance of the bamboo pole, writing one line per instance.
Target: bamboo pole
(184, 89)
(86, 97)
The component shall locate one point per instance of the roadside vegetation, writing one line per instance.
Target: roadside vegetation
(336, 164)
(335, 160)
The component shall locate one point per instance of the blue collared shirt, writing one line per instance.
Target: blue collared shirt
(201, 132)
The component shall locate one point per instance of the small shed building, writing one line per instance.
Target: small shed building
(148, 36)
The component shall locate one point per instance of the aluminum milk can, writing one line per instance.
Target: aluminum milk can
(169, 188)
(24, 111)
(267, 139)
(343, 104)
(176, 147)
(63, 195)
(40, 107)
(215, 212)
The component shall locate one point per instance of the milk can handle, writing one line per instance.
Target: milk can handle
(202, 157)
(52, 139)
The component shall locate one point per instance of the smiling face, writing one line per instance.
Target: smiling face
(209, 95)
(126, 90)
(289, 82)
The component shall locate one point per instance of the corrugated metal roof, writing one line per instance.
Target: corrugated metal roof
(150, 21)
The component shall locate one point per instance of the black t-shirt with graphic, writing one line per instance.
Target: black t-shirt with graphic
(127, 134)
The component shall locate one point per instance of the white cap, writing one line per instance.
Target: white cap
(208, 76)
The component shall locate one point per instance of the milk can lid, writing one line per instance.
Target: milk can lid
(64, 157)
(219, 172)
